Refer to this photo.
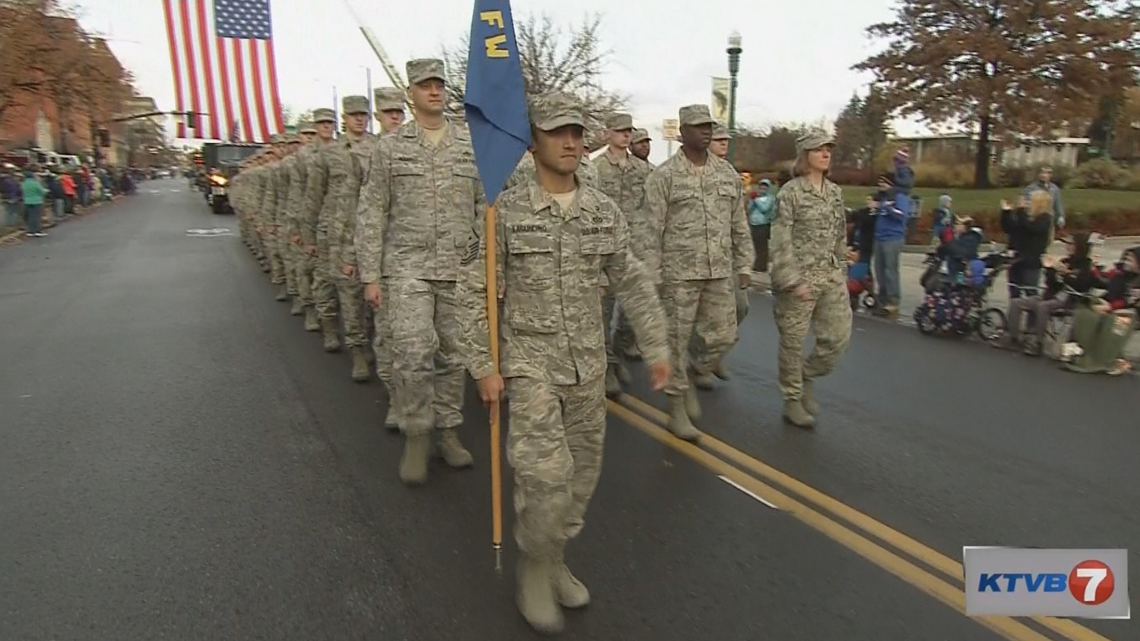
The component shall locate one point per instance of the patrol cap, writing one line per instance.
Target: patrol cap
(554, 109)
(639, 135)
(695, 115)
(324, 114)
(293, 138)
(813, 138)
(354, 104)
(423, 69)
(276, 139)
(306, 127)
(388, 99)
(619, 122)
(719, 132)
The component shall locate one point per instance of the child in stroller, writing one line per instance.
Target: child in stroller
(860, 245)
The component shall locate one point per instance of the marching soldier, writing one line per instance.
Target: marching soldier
(313, 218)
(620, 176)
(696, 238)
(302, 273)
(640, 144)
(556, 237)
(419, 200)
(809, 276)
(270, 227)
(285, 223)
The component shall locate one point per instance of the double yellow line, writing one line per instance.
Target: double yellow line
(841, 523)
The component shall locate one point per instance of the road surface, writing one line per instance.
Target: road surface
(179, 460)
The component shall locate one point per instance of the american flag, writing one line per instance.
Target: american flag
(222, 52)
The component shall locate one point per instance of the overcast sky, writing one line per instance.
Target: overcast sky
(795, 66)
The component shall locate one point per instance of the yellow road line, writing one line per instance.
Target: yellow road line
(924, 553)
(864, 547)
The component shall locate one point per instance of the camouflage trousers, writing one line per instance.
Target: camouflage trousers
(290, 256)
(303, 275)
(427, 369)
(697, 347)
(323, 283)
(350, 294)
(828, 314)
(276, 259)
(706, 307)
(609, 307)
(382, 340)
(555, 449)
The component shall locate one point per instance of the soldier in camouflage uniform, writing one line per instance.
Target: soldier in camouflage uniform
(313, 221)
(524, 172)
(620, 176)
(417, 205)
(640, 145)
(268, 216)
(696, 238)
(809, 276)
(285, 224)
(389, 105)
(556, 238)
(304, 237)
(343, 190)
(299, 260)
(704, 380)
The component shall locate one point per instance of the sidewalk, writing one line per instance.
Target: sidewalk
(12, 234)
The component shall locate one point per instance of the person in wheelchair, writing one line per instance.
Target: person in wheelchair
(1103, 328)
(1075, 271)
(961, 250)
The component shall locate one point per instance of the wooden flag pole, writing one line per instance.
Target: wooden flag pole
(493, 329)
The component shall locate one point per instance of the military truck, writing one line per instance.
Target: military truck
(220, 162)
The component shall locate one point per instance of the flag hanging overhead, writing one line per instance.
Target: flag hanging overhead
(224, 68)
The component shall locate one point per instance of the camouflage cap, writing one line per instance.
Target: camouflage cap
(324, 114)
(306, 127)
(554, 109)
(719, 132)
(276, 139)
(813, 138)
(619, 122)
(423, 69)
(354, 104)
(639, 135)
(695, 115)
(389, 99)
(292, 138)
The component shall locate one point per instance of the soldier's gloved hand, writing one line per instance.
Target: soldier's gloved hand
(372, 294)
(745, 281)
(659, 374)
(491, 388)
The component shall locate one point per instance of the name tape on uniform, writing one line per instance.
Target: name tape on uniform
(1087, 584)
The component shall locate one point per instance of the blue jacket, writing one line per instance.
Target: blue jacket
(761, 209)
(890, 220)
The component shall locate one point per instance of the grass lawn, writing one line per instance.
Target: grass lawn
(988, 201)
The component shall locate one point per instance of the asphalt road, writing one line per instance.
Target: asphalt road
(179, 460)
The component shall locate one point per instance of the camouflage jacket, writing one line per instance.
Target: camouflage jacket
(316, 190)
(417, 205)
(342, 218)
(623, 182)
(287, 224)
(693, 225)
(269, 195)
(298, 210)
(548, 262)
(809, 235)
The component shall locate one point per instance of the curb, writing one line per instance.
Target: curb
(90, 209)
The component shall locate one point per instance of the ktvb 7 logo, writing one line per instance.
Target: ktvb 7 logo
(1090, 582)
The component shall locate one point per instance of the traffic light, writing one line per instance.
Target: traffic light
(191, 119)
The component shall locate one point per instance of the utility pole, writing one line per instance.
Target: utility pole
(368, 72)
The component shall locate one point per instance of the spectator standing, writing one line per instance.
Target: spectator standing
(1028, 229)
(55, 191)
(12, 197)
(903, 174)
(33, 193)
(761, 209)
(1045, 183)
(67, 183)
(942, 228)
(890, 236)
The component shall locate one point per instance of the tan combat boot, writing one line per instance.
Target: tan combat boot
(703, 381)
(312, 320)
(298, 307)
(692, 404)
(332, 338)
(808, 398)
(392, 417)
(719, 370)
(679, 423)
(613, 385)
(282, 293)
(570, 592)
(795, 414)
(536, 595)
(360, 371)
(452, 451)
(414, 461)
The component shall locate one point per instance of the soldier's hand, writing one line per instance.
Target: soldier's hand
(605, 291)
(659, 374)
(802, 292)
(296, 238)
(372, 294)
(491, 388)
(311, 250)
(348, 270)
(745, 281)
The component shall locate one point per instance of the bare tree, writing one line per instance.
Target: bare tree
(553, 58)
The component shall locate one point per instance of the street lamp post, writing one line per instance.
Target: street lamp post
(733, 50)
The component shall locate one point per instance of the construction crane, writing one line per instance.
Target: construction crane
(378, 49)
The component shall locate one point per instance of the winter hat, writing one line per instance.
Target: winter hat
(903, 154)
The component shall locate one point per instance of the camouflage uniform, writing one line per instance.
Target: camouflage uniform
(286, 224)
(269, 222)
(416, 209)
(696, 239)
(304, 225)
(550, 260)
(809, 248)
(314, 229)
(623, 180)
(298, 260)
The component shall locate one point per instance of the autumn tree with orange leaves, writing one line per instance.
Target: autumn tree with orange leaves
(1004, 67)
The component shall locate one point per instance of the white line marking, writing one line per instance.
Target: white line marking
(747, 491)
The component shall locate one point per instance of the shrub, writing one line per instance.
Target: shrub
(1134, 180)
(1101, 173)
(852, 176)
(944, 176)
(1008, 176)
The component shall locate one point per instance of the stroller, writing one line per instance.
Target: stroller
(956, 305)
(861, 285)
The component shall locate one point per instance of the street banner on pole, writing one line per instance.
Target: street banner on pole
(719, 103)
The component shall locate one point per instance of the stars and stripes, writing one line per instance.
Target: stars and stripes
(224, 68)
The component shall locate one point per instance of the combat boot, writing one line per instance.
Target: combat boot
(613, 385)
(679, 423)
(536, 595)
(312, 320)
(392, 417)
(282, 294)
(623, 375)
(452, 451)
(265, 266)
(703, 381)
(570, 592)
(692, 404)
(414, 461)
(360, 372)
(332, 338)
(298, 307)
(719, 370)
(808, 398)
(795, 414)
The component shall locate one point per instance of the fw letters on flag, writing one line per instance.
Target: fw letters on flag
(224, 68)
(495, 96)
